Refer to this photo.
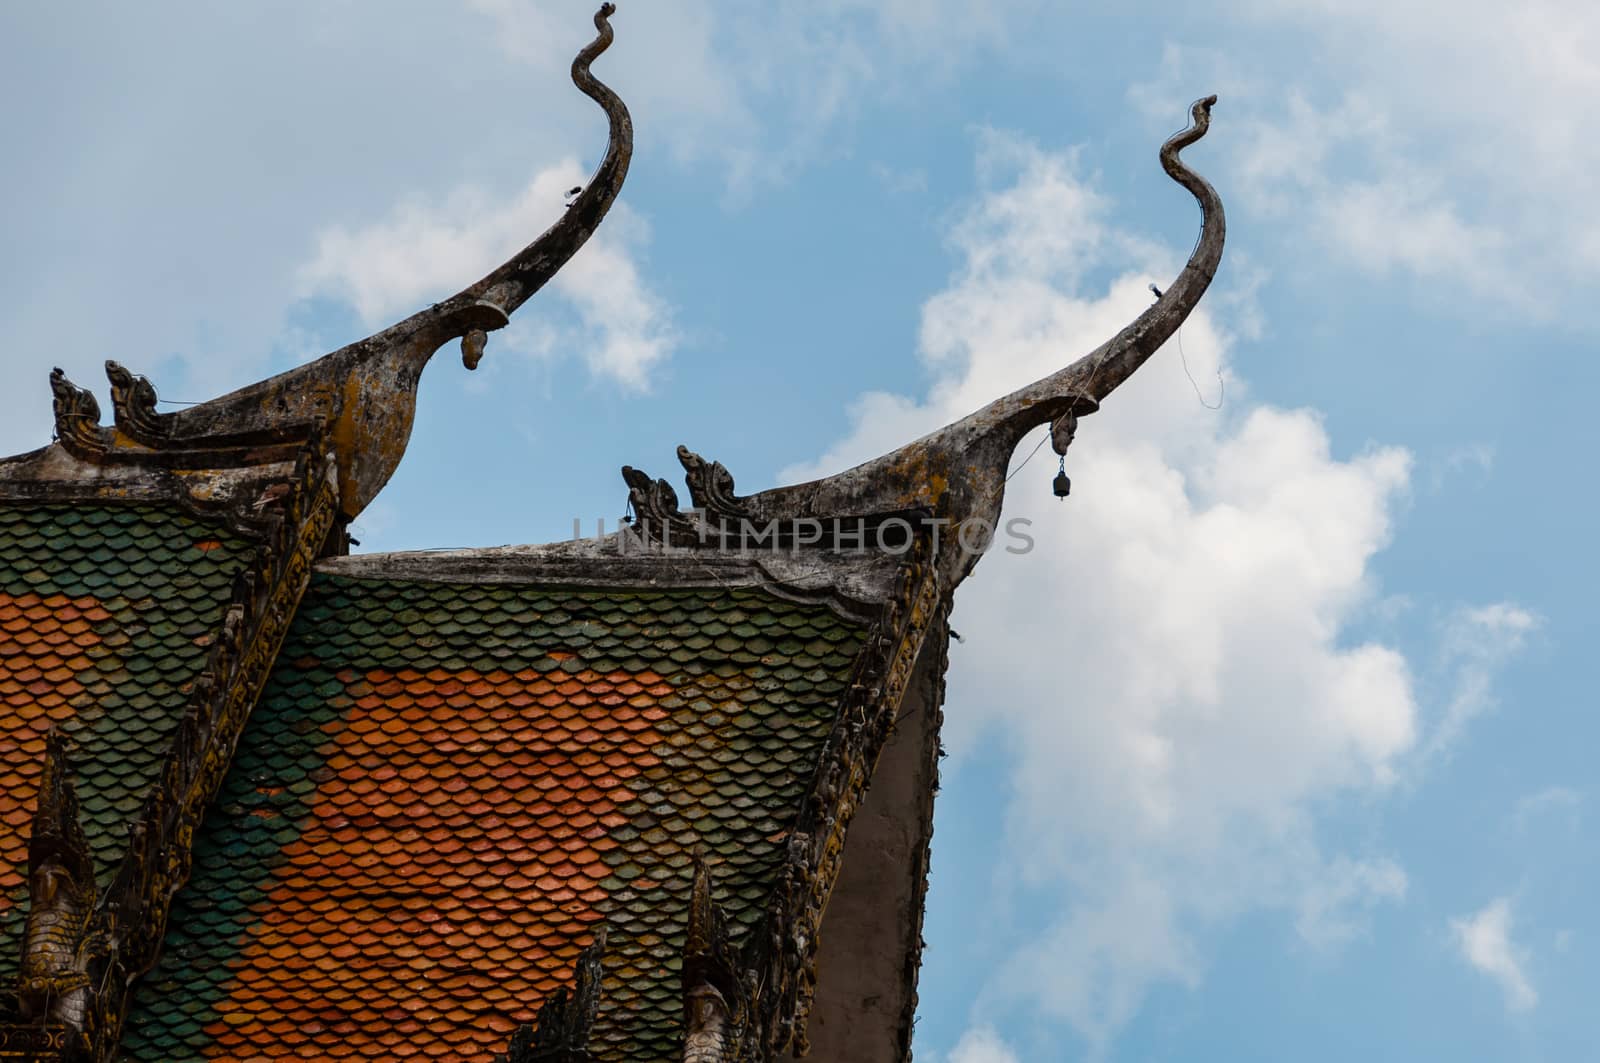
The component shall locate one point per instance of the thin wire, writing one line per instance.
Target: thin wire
(1087, 389)
(1035, 450)
(1222, 386)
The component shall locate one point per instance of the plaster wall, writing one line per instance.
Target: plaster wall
(871, 937)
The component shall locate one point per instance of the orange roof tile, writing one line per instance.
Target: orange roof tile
(452, 824)
(106, 614)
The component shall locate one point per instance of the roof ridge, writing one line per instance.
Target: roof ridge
(852, 584)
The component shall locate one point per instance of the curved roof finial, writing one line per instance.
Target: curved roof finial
(1115, 361)
(510, 286)
(958, 473)
(364, 394)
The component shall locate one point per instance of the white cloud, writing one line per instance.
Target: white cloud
(1455, 148)
(1552, 801)
(1451, 149)
(1172, 668)
(1406, 222)
(765, 89)
(187, 213)
(664, 62)
(982, 1045)
(912, 182)
(1331, 909)
(1092, 966)
(1341, 172)
(1484, 939)
(1476, 642)
(421, 253)
(1474, 461)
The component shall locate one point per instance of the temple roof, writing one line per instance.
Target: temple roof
(448, 788)
(580, 800)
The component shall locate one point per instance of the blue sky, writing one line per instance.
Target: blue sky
(1280, 743)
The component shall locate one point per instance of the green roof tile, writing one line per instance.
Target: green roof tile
(100, 610)
(446, 788)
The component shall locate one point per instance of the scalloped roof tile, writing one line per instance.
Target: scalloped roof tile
(106, 615)
(419, 834)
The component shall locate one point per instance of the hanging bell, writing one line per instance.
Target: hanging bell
(1062, 485)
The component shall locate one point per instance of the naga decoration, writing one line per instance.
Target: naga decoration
(721, 520)
(561, 1032)
(955, 477)
(714, 994)
(77, 416)
(133, 406)
(711, 485)
(363, 396)
(655, 510)
(54, 985)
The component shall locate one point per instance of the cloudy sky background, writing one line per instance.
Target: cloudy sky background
(1278, 744)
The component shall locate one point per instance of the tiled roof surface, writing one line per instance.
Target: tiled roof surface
(448, 787)
(105, 616)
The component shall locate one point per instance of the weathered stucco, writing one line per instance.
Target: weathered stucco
(871, 941)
